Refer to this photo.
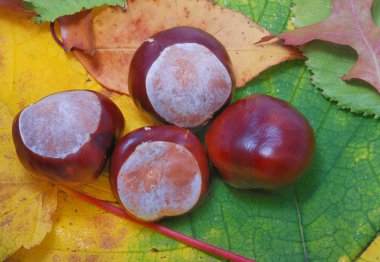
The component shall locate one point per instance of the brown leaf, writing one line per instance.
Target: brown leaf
(118, 33)
(76, 32)
(16, 7)
(350, 24)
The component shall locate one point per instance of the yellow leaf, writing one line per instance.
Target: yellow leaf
(33, 66)
(25, 203)
(372, 253)
(82, 228)
(25, 219)
(82, 232)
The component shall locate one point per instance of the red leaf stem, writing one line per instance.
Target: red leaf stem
(159, 228)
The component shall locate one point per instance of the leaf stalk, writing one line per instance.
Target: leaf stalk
(187, 240)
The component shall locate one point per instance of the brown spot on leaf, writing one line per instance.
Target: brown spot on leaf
(56, 258)
(108, 238)
(8, 155)
(16, 7)
(187, 12)
(74, 258)
(6, 221)
(21, 103)
(5, 138)
(92, 258)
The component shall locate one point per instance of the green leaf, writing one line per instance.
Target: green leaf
(331, 212)
(337, 200)
(328, 62)
(52, 9)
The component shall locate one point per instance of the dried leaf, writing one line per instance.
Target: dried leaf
(26, 203)
(119, 33)
(52, 9)
(17, 7)
(349, 24)
(28, 73)
(76, 32)
(336, 204)
(328, 62)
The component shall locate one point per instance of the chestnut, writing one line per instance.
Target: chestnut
(182, 76)
(158, 172)
(67, 137)
(260, 142)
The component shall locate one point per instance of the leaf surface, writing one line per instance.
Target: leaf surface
(16, 7)
(76, 32)
(26, 203)
(52, 9)
(118, 34)
(372, 253)
(329, 62)
(332, 212)
(350, 23)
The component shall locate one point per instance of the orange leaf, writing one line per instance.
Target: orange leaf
(118, 33)
(16, 7)
(76, 32)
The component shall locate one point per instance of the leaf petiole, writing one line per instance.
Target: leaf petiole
(187, 240)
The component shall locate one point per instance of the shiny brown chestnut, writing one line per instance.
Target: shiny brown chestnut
(182, 76)
(260, 142)
(67, 137)
(158, 172)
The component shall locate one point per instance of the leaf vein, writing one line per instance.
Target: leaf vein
(251, 11)
(225, 229)
(367, 43)
(300, 225)
(298, 84)
(262, 11)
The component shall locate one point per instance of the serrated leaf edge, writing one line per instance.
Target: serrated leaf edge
(316, 85)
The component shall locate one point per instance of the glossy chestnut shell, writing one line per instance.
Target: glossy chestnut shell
(48, 159)
(158, 172)
(182, 76)
(260, 142)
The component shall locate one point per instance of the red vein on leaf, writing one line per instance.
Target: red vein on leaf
(350, 23)
(366, 41)
(159, 228)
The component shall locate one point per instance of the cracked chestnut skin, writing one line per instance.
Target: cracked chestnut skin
(148, 53)
(88, 162)
(260, 142)
(177, 135)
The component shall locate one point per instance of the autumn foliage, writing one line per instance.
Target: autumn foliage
(350, 24)
(118, 33)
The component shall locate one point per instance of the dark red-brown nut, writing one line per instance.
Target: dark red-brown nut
(67, 137)
(182, 76)
(158, 172)
(260, 142)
